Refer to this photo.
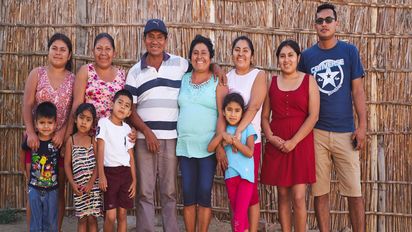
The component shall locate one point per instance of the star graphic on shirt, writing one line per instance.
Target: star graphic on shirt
(328, 77)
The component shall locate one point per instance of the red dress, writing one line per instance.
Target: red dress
(289, 111)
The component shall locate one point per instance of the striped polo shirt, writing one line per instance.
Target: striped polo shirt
(155, 92)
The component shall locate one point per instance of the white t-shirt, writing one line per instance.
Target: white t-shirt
(116, 142)
(243, 84)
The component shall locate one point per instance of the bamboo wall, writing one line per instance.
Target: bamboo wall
(381, 29)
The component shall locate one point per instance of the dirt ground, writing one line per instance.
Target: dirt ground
(70, 224)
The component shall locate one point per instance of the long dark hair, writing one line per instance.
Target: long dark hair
(83, 107)
(68, 42)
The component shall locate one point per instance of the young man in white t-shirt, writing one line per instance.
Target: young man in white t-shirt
(117, 173)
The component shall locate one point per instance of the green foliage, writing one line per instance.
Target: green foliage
(8, 216)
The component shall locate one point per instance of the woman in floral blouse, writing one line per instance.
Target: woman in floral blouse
(97, 82)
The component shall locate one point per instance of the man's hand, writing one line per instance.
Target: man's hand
(360, 136)
(132, 135)
(152, 142)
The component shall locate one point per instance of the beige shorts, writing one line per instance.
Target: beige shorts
(337, 149)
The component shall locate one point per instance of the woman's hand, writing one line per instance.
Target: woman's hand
(221, 157)
(103, 182)
(33, 141)
(227, 138)
(276, 141)
(288, 146)
(58, 138)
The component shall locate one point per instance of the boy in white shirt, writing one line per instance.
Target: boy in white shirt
(117, 173)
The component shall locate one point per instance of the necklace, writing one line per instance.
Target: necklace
(200, 85)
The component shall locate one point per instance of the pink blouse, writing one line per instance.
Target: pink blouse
(100, 93)
(62, 97)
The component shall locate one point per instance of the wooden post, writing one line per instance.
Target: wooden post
(373, 126)
(382, 187)
(212, 19)
(81, 33)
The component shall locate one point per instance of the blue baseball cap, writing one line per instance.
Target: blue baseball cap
(155, 25)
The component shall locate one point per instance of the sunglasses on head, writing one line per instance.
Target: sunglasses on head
(327, 20)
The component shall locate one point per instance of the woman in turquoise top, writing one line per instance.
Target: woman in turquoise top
(200, 103)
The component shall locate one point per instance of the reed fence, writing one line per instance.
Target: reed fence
(381, 29)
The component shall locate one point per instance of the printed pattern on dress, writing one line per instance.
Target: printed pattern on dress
(83, 163)
(62, 97)
(100, 93)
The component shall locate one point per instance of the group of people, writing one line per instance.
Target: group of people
(114, 136)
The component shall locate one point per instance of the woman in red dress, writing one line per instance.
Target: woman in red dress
(289, 159)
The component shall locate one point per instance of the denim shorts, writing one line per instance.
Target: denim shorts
(197, 180)
(43, 206)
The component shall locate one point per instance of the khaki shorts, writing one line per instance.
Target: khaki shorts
(337, 149)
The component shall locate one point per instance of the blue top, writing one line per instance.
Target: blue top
(240, 165)
(196, 124)
(334, 69)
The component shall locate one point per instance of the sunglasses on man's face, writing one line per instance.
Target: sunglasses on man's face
(328, 20)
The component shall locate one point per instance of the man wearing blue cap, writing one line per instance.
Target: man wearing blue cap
(154, 83)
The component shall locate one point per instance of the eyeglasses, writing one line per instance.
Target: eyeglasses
(328, 20)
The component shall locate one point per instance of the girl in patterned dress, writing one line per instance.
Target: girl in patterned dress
(81, 171)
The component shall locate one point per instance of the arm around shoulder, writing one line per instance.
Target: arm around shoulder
(257, 97)
(79, 91)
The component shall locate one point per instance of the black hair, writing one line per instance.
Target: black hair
(46, 110)
(123, 92)
(325, 6)
(291, 43)
(234, 97)
(80, 109)
(206, 41)
(249, 42)
(145, 33)
(68, 42)
(104, 35)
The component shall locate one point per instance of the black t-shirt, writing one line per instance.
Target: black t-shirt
(44, 165)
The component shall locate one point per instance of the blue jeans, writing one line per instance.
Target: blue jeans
(43, 205)
(197, 180)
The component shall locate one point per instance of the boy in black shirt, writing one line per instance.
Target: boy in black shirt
(43, 185)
